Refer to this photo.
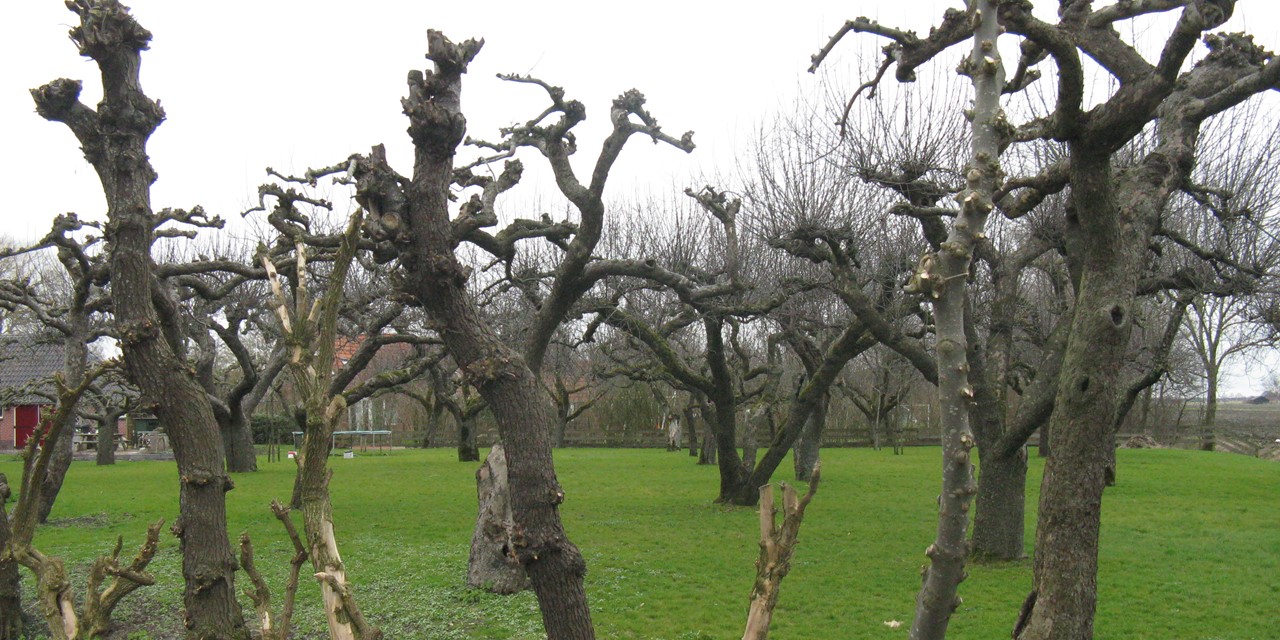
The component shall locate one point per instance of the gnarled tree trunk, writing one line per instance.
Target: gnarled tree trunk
(523, 410)
(114, 140)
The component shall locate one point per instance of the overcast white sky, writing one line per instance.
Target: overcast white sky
(297, 83)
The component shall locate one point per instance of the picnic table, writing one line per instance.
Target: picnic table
(89, 441)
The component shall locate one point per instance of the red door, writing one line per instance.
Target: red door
(25, 419)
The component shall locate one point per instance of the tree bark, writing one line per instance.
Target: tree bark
(11, 616)
(1207, 439)
(107, 430)
(59, 464)
(691, 431)
(76, 359)
(237, 435)
(999, 517)
(467, 449)
(114, 141)
(807, 449)
(309, 327)
(345, 620)
(1066, 557)
(777, 543)
(562, 425)
(751, 422)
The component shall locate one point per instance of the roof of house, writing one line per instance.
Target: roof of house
(23, 361)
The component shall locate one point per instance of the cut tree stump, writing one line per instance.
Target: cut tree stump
(493, 565)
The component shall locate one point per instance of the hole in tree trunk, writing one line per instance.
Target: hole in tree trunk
(1084, 384)
(1117, 315)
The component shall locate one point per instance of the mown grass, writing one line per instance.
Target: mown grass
(1191, 546)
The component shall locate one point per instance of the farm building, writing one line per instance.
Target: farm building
(25, 370)
(26, 390)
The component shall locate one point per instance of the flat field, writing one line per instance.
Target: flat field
(1190, 546)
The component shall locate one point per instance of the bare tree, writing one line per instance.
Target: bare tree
(114, 138)
(70, 305)
(411, 215)
(1112, 215)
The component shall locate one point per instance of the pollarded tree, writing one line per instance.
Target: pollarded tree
(411, 218)
(839, 236)
(114, 138)
(371, 314)
(309, 328)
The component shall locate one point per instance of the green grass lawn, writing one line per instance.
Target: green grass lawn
(1190, 548)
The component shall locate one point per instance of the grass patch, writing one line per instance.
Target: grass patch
(1190, 547)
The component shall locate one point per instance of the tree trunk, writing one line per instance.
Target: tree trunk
(691, 431)
(10, 601)
(999, 517)
(805, 452)
(946, 281)
(733, 475)
(107, 430)
(562, 425)
(467, 449)
(344, 618)
(493, 565)
(1066, 558)
(59, 464)
(1207, 437)
(114, 140)
(237, 435)
(777, 543)
(11, 621)
(876, 427)
(811, 394)
(76, 359)
(707, 449)
(437, 417)
(750, 427)
(208, 563)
